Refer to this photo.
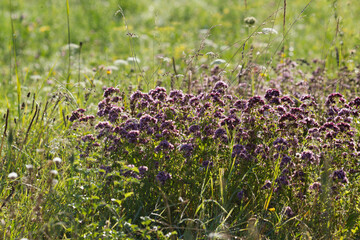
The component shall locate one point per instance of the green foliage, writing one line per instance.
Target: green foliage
(138, 45)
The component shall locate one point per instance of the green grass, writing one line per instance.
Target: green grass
(43, 79)
(41, 34)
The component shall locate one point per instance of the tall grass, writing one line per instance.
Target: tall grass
(18, 83)
(69, 41)
(91, 192)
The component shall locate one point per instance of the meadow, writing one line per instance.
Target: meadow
(179, 119)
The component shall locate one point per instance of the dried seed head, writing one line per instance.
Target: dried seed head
(250, 21)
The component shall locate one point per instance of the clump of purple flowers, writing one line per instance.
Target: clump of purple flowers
(213, 132)
(340, 175)
(163, 176)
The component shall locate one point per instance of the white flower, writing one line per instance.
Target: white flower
(29, 167)
(218, 61)
(71, 46)
(13, 175)
(35, 77)
(57, 160)
(269, 31)
(54, 182)
(54, 172)
(113, 68)
(133, 59)
(120, 62)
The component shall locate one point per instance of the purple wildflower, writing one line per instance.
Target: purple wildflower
(240, 195)
(266, 185)
(253, 101)
(143, 170)
(110, 90)
(331, 98)
(207, 164)
(241, 104)
(132, 136)
(220, 85)
(289, 212)
(316, 186)
(194, 128)
(340, 175)
(270, 93)
(164, 145)
(105, 169)
(136, 95)
(285, 160)
(220, 132)
(187, 149)
(162, 177)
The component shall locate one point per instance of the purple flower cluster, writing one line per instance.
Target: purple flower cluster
(163, 133)
(163, 176)
(109, 91)
(340, 175)
(316, 186)
(78, 115)
(240, 152)
(164, 145)
(187, 149)
(309, 157)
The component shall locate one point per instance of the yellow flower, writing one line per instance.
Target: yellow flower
(179, 50)
(44, 28)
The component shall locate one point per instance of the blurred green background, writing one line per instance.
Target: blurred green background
(157, 31)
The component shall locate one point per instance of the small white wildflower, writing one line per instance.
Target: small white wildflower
(120, 62)
(133, 59)
(269, 31)
(57, 160)
(13, 175)
(35, 77)
(212, 54)
(71, 46)
(217, 236)
(29, 167)
(54, 172)
(218, 61)
(113, 68)
(204, 31)
(165, 59)
(54, 182)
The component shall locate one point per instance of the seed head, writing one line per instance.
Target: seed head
(250, 21)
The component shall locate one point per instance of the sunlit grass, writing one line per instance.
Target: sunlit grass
(61, 180)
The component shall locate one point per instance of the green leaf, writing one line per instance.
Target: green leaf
(117, 201)
(352, 219)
